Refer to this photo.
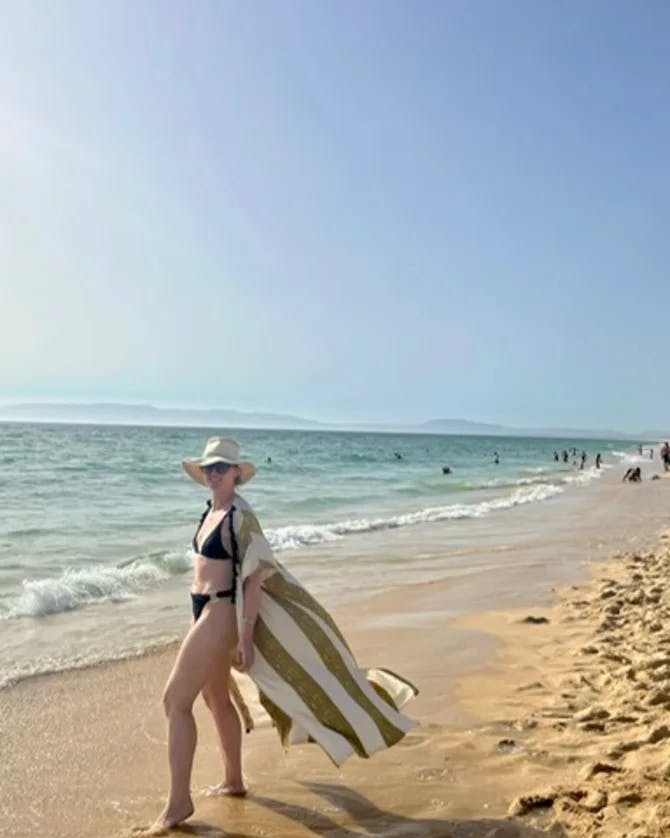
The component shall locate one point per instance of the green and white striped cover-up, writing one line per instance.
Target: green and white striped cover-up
(307, 677)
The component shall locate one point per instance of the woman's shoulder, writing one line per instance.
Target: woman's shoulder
(245, 520)
(242, 504)
(245, 510)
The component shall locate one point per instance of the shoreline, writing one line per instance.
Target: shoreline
(50, 639)
(447, 777)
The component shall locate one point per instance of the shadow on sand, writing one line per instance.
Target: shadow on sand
(365, 819)
(369, 819)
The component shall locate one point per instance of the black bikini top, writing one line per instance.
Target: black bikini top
(212, 547)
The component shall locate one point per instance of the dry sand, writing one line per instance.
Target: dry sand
(572, 711)
(580, 703)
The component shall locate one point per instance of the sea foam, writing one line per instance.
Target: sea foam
(292, 537)
(76, 588)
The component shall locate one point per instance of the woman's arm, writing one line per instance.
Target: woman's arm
(252, 603)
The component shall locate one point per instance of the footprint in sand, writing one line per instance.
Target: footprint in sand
(623, 748)
(593, 713)
(536, 685)
(658, 734)
(509, 746)
(427, 775)
(595, 768)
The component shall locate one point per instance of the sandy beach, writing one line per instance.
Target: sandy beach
(555, 724)
(578, 699)
(333, 347)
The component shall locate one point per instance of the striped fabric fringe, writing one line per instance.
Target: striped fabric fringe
(307, 678)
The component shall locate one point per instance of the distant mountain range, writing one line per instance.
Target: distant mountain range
(141, 414)
(146, 414)
(465, 427)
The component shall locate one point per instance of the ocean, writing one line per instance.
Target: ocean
(96, 521)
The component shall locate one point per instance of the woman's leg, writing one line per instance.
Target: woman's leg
(217, 698)
(208, 640)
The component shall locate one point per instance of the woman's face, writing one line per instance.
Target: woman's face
(220, 477)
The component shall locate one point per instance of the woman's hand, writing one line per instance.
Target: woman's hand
(245, 654)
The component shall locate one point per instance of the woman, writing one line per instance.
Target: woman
(248, 608)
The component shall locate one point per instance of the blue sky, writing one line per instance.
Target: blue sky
(365, 211)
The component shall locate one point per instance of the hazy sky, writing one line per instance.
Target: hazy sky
(344, 210)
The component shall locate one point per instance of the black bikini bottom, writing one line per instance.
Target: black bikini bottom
(199, 601)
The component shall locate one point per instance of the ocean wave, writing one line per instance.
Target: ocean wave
(76, 588)
(24, 670)
(28, 532)
(630, 458)
(292, 537)
(580, 478)
(557, 479)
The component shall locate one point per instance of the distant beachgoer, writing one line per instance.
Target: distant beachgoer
(496, 458)
(269, 460)
(446, 470)
(250, 612)
(665, 456)
(556, 457)
(651, 453)
(565, 456)
(633, 475)
(639, 448)
(598, 460)
(583, 460)
(398, 456)
(574, 452)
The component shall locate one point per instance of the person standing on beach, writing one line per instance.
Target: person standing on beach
(598, 460)
(665, 456)
(250, 613)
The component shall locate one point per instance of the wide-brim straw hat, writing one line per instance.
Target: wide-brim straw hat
(219, 449)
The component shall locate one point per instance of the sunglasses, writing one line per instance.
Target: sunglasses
(219, 468)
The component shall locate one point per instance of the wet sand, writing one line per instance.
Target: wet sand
(84, 755)
(571, 710)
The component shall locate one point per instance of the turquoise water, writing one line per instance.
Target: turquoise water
(96, 521)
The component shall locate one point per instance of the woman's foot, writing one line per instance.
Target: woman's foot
(172, 815)
(226, 789)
